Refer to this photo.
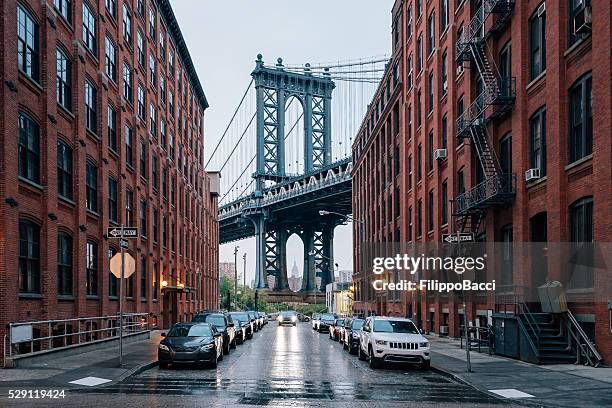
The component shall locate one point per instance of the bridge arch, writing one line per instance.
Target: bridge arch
(294, 134)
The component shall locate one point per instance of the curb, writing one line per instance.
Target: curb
(136, 371)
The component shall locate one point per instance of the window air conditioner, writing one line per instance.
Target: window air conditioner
(443, 330)
(440, 154)
(532, 174)
(583, 21)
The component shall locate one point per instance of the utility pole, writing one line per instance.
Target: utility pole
(235, 277)
(121, 300)
(244, 272)
(465, 316)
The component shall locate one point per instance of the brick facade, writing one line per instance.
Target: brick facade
(541, 209)
(188, 256)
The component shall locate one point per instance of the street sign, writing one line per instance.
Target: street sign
(115, 265)
(124, 244)
(128, 232)
(458, 237)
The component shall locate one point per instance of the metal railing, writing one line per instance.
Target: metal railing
(583, 345)
(495, 187)
(30, 338)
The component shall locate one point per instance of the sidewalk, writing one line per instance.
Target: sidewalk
(88, 369)
(559, 385)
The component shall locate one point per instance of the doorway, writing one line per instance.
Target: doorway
(170, 309)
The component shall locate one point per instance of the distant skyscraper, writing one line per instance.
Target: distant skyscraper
(295, 280)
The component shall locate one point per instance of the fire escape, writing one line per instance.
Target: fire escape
(495, 100)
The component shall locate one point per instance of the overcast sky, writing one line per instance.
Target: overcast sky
(224, 38)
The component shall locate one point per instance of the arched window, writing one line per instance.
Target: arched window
(64, 264)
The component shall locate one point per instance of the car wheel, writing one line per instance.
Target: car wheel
(226, 349)
(220, 358)
(233, 343)
(163, 366)
(344, 346)
(240, 341)
(362, 355)
(373, 361)
(425, 365)
(214, 363)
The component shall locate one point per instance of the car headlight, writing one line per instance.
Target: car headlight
(293, 318)
(164, 347)
(382, 342)
(208, 346)
(355, 336)
(424, 344)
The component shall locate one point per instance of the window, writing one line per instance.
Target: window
(431, 39)
(89, 29)
(155, 225)
(165, 182)
(162, 45)
(581, 118)
(444, 132)
(444, 72)
(430, 211)
(112, 128)
(156, 278)
(27, 44)
(409, 21)
(460, 182)
(409, 80)
(91, 107)
(129, 207)
(419, 111)
(29, 257)
(140, 46)
(419, 162)
(152, 22)
(29, 148)
(143, 159)
(113, 282)
(129, 146)
(444, 203)
(575, 7)
(162, 133)
(410, 224)
(507, 256)
(91, 266)
(171, 61)
(64, 264)
(64, 170)
(64, 79)
(537, 141)
(64, 7)
(419, 8)
(143, 217)
(141, 102)
(443, 15)
(460, 118)
(127, 24)
(111, 7)
(460, 40)
(152, 69)
(505, 147)
(537, 43)
(154, 172)
(409, 172)
(420, 53)
(128, 92)
(430, 151)
(581, 230)
(409, 126)
(420, 218)
(430, 89)
(162, 89)
(143, 278)
(140, 7)
(165, 231)
(91, 181)
(153, 119)
(113, 203)
(171, 104)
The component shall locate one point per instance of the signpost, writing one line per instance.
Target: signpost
(122, 265)
(458, 237)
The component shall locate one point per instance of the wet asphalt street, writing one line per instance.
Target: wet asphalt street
(285, 366)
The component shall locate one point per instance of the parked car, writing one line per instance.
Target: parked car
(393, 340)
(336, 328)
(327, 319)
(191, 343)
(245, 321)
(224, 324)
(287, 317)
(241, 330)
(316, 319)
(262, 317)
(254, 319)
(350, 335)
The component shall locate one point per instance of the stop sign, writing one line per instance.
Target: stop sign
(115, 265)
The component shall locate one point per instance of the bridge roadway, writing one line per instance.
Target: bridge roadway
(295, 200)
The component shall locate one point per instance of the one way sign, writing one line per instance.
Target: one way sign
(458, 237)
(128, 232)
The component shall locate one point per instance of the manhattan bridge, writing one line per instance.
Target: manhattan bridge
(285, 155)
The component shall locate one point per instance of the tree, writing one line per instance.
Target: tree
(225, 290)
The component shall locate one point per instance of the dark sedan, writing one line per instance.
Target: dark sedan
(327, 320)
(191, 343)
(350, 337)
(253, 318)
(224, 324)
(245, 320)
(287, 317)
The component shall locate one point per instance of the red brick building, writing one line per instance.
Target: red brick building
(101, 124)
(522, 100)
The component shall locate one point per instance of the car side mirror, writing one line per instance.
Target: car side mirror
(422, 331)
(163, 334)
(230, 325)
(365, 329)
(217, 334)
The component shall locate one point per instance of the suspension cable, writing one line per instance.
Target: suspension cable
(238, 142)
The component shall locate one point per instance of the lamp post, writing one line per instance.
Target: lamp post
(244, 271)
(362, 237)
(236, 276)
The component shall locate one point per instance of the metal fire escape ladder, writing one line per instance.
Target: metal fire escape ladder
(497, 97)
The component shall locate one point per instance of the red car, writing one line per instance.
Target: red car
(335, 330)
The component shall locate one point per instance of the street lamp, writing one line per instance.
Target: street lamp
(236, 276)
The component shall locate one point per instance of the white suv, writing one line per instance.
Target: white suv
(393, 340)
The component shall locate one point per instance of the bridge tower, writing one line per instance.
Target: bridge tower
(274, 87)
